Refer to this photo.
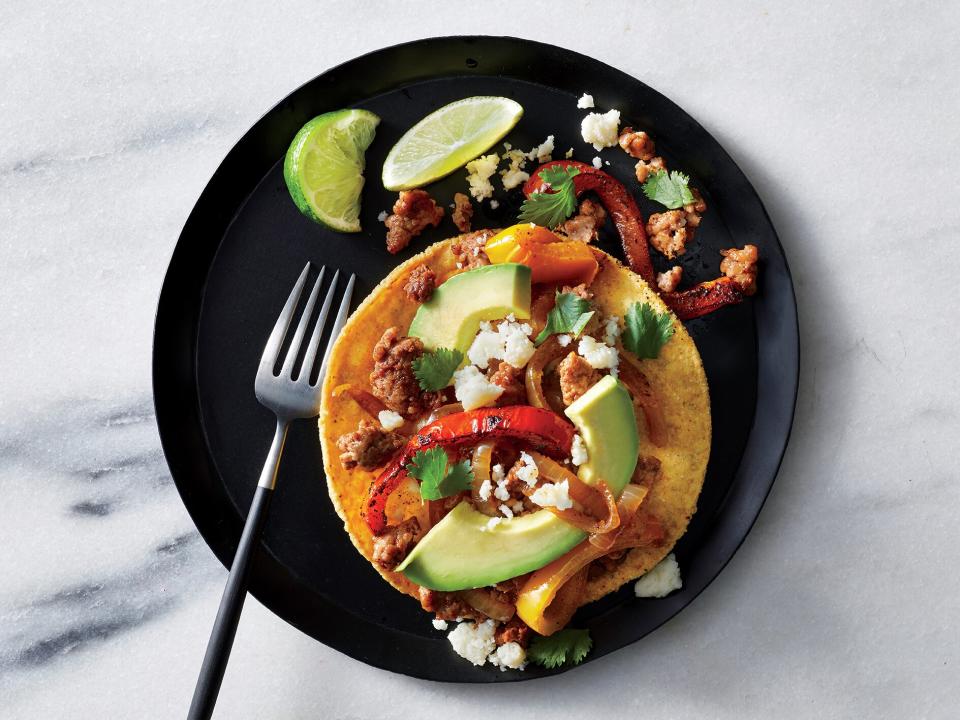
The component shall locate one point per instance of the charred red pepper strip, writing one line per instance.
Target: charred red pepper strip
(542, 430)
(704, 298)
(619, 203)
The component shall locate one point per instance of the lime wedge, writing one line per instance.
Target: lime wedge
(323, 168)
(447, 139)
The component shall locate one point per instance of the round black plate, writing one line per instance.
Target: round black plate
(245, 243)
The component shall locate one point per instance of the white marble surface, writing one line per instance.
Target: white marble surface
(843, 602)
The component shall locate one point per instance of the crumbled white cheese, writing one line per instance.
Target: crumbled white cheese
(597, 162)
(479, 173)
(543, 152)
(514, 175)
(473, 390)
(492, 523)
(382, 216)
(517, 506)
(568, 154)
(606, 162)
(578, 450)
(513, 178)
(507, 146)
(439, 624)
(473, 641)
(661, 580)
(510, 342)
(611, 329)
(528, 470)
(585, 101)
(510, 655)
(493, 206)
(600, 130)
(486, 488)
(564, 340)
(507, 512)
(497, 473)
(389, 420)
(553, 495)
(501, 493)
(598, 355)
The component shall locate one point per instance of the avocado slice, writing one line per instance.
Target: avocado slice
(452, 316)
(462, 552)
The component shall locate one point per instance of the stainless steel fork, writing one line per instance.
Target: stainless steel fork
(290, 395)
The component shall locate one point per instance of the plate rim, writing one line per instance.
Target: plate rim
(163, 377)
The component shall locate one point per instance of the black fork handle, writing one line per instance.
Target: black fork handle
(231, 604)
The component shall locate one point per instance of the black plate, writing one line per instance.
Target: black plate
(244, 244)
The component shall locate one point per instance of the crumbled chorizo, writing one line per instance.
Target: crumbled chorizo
(514, 630)
(585, 225)
(741, 266)
(637, 144)
(392, 379)
(510, 379)
(393, 544)
(645, 168)
(468, 249)
(413, 211)
(668, 281)
(576, 377)
(462, 212)
(368, 446)
(420, 284)
(668, 232)
(580, 290)
(448, 606)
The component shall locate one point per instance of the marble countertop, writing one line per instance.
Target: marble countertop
(845, 599)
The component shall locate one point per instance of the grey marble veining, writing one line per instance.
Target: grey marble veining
(843, 602)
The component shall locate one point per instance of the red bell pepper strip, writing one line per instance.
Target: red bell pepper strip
(618, 202)
(704, 298)
(543, 430)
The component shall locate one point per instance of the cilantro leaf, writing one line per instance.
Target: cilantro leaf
(670, 189)
(645, 332)
(566, 646)
(430, 468)
(549, 209)
(570, 314)
(433, 370)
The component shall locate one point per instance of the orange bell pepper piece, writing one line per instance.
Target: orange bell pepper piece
(550, 259)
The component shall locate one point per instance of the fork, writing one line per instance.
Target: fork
(291, 396)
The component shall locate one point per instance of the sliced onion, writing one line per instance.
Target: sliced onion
(599, 515)
(440, 412)
(366, 400)
(627, 506)
(544, 355)
(480, 464)
(646, 399)
(489, 604)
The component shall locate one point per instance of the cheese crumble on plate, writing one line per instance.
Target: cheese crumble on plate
(585, 101)
(600, 130)
(660, 580)
(479, 173)
(390, 420)
(553, 495)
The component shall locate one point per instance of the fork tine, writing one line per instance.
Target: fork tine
(272, 348)
(287, 370)
(314, 345)
(337, 324)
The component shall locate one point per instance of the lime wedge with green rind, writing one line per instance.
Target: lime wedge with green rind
(324, 165)
(448, 139)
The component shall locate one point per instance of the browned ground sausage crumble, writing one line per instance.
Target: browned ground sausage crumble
(585, 225)
(462, 212)
(741, 266)
(369, 446)
(576, 377)
(468, 249)
(420, 284)
(669, 280)
(392, 546)
(392, 380)
(413, 211)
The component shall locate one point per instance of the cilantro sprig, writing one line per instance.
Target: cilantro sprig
(645, 331)
(433, 370)
(669, 189)
(570, 314)
(438, 479)
(567, 646)
(549, 209)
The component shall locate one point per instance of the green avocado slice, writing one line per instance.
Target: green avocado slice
(462, 551)
(452, 316)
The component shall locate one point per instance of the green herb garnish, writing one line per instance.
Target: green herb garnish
(549, 209)
(566, 646)
(669, 189)
(645, 332)
(437, 481)
(570, 314)
(433, 370)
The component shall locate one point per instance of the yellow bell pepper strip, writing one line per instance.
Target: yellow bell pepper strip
(550, 259)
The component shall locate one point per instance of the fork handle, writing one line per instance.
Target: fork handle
(231, 604)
